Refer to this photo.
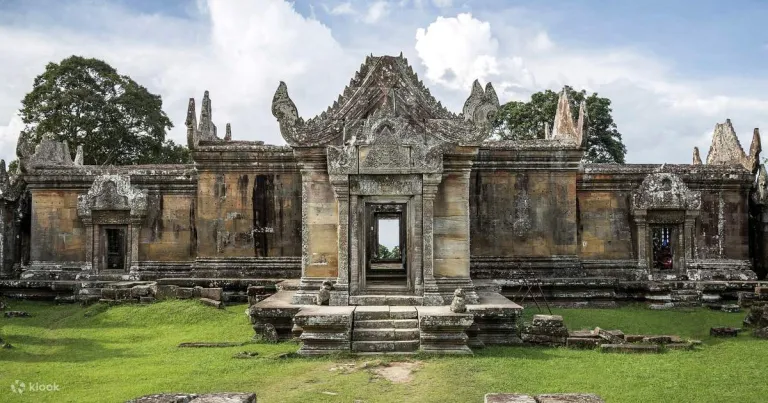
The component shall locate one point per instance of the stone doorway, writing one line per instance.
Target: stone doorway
(113, 247)
(663, 247)
(386, 267)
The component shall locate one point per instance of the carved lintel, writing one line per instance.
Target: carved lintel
(665, 191)
(112, 193)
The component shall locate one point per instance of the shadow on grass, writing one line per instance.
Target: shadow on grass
(74, 350)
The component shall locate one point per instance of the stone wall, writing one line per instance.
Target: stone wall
(168, 233)
(58, 234)
(256, 213)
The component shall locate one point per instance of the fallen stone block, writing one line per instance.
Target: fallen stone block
(141, 291)
(587, 343)
(545, 331)
(223, 397)
(679, 346)
(608, 336)
(547, 320)
(630, 348)
(204, 344)
(761, 333)
(730, 308)
(543, 339)
(657, 339)
(212, 293)
(724, 331)
(569, 398)
(581, 333)
(17, 314)
(508, 398)
(210, 302)
(661, 307)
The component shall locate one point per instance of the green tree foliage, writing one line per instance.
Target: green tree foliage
(526, 120)
(385, 253)
(86, 102)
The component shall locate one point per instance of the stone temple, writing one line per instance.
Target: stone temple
(298, 226)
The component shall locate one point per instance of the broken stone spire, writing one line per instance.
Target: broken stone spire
(696, 156)
(79, 156)
(564, 127)
(228, 134)
(205, 129)
(726, 148)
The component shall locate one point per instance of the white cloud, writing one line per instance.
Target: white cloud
(376, 11)
(342, 9)
(661, 117)
(239, 50)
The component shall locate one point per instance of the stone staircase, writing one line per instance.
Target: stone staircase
(385, 329)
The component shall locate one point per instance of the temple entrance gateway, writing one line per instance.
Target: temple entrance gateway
(386, 264)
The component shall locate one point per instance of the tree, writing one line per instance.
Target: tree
(526, 120)
(86, 102)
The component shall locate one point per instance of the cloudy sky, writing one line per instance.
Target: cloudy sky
(672, 68)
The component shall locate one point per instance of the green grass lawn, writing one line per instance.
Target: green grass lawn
(111, 354)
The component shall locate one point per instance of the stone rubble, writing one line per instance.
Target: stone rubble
(757, 318)
(545, 330)
(544, 398)
(222, 397)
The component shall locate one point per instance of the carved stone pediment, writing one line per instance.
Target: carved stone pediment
(112, 193)
(385, 143)
(665, 191)
(381, 83)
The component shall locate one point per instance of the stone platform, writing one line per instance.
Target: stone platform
(392, 329)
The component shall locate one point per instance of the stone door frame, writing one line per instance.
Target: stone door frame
(359, 217)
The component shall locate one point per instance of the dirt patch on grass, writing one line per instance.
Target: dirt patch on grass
(395, 372)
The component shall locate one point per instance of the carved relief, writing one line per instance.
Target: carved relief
(522, 220)
(665, 191)
(113, 192)
(386, 82)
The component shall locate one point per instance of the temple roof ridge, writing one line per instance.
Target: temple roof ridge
(383, 82)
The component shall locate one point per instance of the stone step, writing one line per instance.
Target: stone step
(385, 346)
(385, 335)
(403, 312)
(385, 300)
(387, 323)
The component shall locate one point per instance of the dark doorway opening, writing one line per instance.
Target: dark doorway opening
(662, 238)
(114, 248)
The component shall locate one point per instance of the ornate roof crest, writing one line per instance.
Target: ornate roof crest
(387, 82)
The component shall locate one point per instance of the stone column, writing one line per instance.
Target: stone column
(690, 239)
(314, 203)
(642, 238)
(431, 290)
(340, 293)
(89, 239)
(133, 259)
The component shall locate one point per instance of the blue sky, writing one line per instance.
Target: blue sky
(672, 68)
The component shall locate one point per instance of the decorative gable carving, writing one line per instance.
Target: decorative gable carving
(112, 193)
(387, 83)
(665, 191)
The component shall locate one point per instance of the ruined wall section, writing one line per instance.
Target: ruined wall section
(607, 231)
(248, 201)
(523, 211)
(58, 237)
